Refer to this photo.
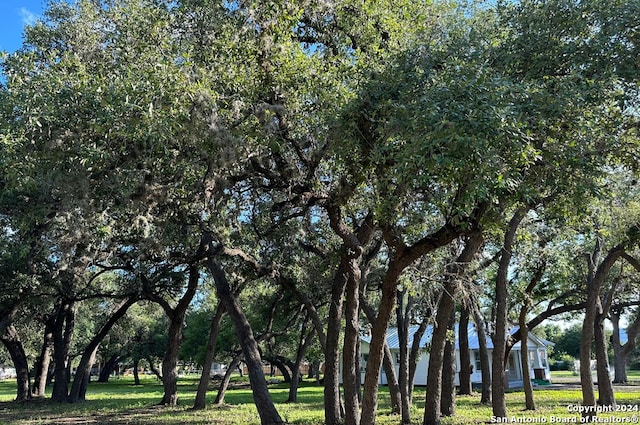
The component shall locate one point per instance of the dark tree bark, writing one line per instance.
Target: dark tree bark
(283, 365)
(109, 366)
(483, 352)
(605, 388)
(203, 384)
(332, 404)
(387, 364)
(351, 369)
(598, 272)
(83, 371)
(530, 403)
(524, 335)
(401, 256)
(11, 340)
(448, 404)
(446, 307)
(41, 370)
(465, 356)
(136, 373)
(403, 319)
(621, 351)
(224, 384)
(261, 397)
(176, 317)
(306, 338)
(414, 354)
(65, 323)
(499, 337)
(154, 369)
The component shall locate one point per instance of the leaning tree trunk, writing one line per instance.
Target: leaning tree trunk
(11, 340)
(83, 371)
(387, 363)
(499, 404)
(109, 366)
(266, 409)
(203, 385)
(306, 338)
(432, 406)
(415, 353)
(446, 307)
(44, 359)
(224, 384)
(465, 357)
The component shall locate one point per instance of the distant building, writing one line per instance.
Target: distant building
(7, 372)
(536, 347)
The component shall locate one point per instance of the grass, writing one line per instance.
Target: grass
(120, 402)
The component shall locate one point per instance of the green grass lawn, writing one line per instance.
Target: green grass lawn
(120, 402)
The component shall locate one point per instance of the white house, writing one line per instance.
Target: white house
(537, 348)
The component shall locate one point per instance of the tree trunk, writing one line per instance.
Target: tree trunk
(203, 385)
(82, 390)
(619, 357)
(605, 388)
(65, 322)
(170, 362)
(83, 372)
(499, 404)
(109, 366)
(136, 373)
(524, 356)
(154, 369)
(261, 397)
(387, 363)
(403, 321)
(306, 338)
(483, 352)
(595, 279)
(351, 370)
(332, 405)
(11, 340)
(415, 353)
(446, 307)
(432, 406)
(222, 389)
(176, 317)
(465, 357)
(401, 257)
(378, 339)
(44, 359)
(448, 404)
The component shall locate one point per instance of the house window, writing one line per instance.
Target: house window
(478, 365)
(363, 363)
(543, 358)
(398, 358)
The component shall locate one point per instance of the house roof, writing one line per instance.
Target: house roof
(394, 343)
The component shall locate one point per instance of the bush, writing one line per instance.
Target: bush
(566, 362)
